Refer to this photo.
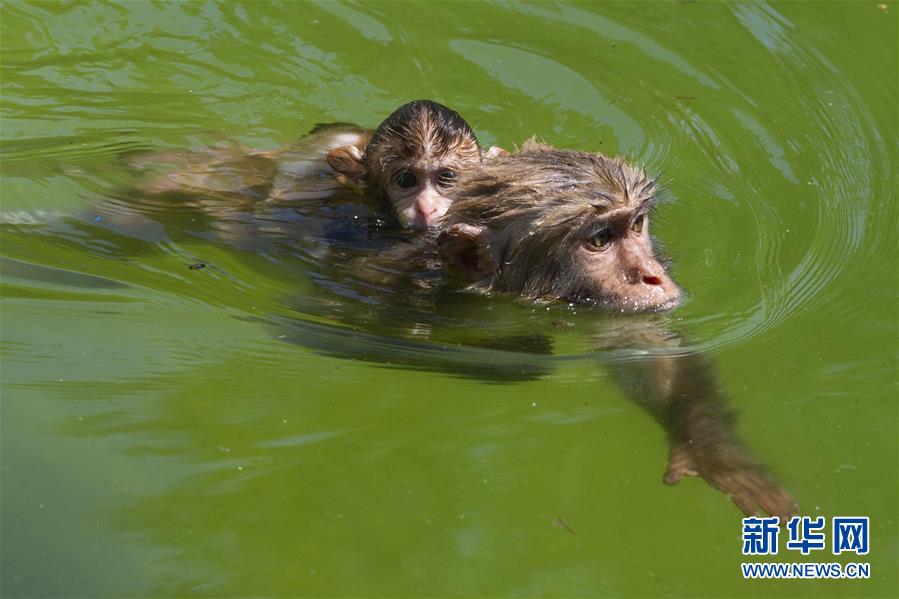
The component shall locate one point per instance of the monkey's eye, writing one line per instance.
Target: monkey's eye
(446, 178)
(601, 239)
(406, 180)
(637, 226)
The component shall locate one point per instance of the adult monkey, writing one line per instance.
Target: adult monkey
(549, 224)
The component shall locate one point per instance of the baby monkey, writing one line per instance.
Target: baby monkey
(408, 163)
(552, 224)
(412, 160)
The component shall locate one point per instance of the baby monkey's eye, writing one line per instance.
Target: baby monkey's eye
(406, 180)
(446, 178)
(601, 238)
(637, 226)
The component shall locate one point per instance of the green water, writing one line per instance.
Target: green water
(176, 432)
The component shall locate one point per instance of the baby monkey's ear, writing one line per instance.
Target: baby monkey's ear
(495, 151)
(465, 250)
(348, 163)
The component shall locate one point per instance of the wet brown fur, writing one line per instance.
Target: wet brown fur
(419, 131)
(231, 178)
(536, 203)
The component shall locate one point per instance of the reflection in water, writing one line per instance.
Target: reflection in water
(673, 382)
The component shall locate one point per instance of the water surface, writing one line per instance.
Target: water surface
(263, 427)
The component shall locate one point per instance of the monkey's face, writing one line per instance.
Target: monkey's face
(413, 177)
(415, 172)
(619, 266)
(416, 188)
(606, 260)
(558, 224)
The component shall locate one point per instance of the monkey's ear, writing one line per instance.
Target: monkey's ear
(464, 249)
(496, 151)
(348, 163)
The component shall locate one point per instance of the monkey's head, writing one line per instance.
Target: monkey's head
(412, 160)
(556, 224)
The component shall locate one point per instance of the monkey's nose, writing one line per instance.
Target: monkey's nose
(652, 280)
(428, 214)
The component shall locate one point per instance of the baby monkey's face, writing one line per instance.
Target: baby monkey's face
(416, 185)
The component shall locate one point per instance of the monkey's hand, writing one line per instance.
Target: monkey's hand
(729, 469)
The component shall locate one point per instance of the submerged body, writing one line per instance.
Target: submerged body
(548, 224)
(242, 177)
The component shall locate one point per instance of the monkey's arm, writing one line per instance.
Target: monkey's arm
(700, 426)
(681, 391)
